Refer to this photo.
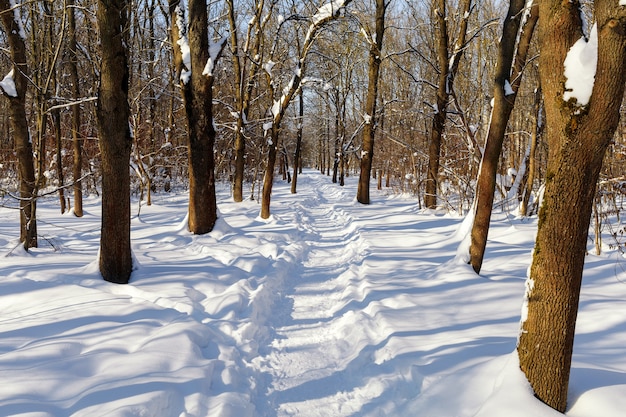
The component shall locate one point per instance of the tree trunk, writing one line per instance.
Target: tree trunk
(268, 178)
(296, 157)
(578, 137)
(448, 67)
(77, 171)
(19, 124)
(530, 179)
(56, 119)
(198, 100)
(367, 152)
(115, 142)
(504, 101)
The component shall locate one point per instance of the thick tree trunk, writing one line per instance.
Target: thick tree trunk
(115, 142)
(202, 198)
(367, 152)
(503, 106)
(198, 99)
(19, 125)
(577, 140)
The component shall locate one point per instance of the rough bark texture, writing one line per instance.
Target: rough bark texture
(367, 152)
(19, 125)
(577, 140)
(502, 108)
(198, 100)
(115, 142)
(202, 199)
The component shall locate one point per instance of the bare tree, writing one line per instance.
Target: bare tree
(115, 141)
(324, 14)
(14, 86)
(517, 31)
(246, 66)
(195, 60)
(375, 41)
(579, 129)
(448, 63)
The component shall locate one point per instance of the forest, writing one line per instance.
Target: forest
(468, 107)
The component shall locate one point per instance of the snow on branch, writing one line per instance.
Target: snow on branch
(183, 43)
(8, 85)
(215, 50)
(17, 16)
(324, 13)
(580, 68)
(327, 11)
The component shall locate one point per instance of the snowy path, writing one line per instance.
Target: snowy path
(363, 311)
(312, 344)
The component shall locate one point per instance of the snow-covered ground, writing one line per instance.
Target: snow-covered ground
(329, 308)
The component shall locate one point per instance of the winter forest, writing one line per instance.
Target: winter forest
(344, 208)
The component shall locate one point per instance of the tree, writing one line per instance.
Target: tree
(375, 41)
(14, 86)
(115, 141)
(448, 64)
(245, 68)
(517, 31)
(297, 156)
(324, 14)
(195, 62)
(579, 128)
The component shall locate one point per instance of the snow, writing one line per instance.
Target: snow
(276, 107)
(182, 42)
(215, 48)
(268, 66)
(8, 85)
(328, 308)
(580, 69)
(508, 89)
(17, 16)
(327, 10)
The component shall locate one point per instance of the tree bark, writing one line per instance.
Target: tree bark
(115, 142)
(268, 177)
(202, 199)
(508, 70)
(367, 152)
(19, 124)
(198, 100)
(577, 141)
